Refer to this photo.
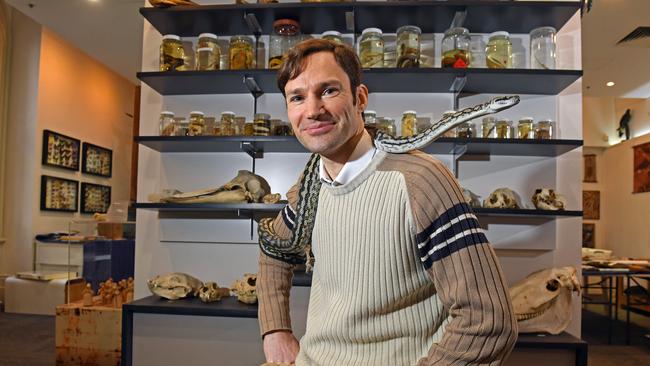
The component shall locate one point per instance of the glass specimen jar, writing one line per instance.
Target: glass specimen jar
(543, 48)
(197, 124)
(386, 125)
(409, 123)
(456, 48)
(167, 124)
(211, 128)
(227, 123)
(241, 53)
(281, 128)
(466, 130)
(452, 131)
(262, 125)
(172, 54)
(489, 127)
(525, 128)
(498, 51)
(333, 36)
(285, 35)
(240, 122)
(371, 48)
(249, 128)
(545, 129)
(408, 46)
(208, 40)
(504, 129)
(183, 126)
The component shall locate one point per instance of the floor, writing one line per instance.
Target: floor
(28, 340)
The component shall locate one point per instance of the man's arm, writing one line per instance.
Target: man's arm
(274, 279)
(481, 329)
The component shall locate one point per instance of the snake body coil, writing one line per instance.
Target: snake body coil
(297, 249)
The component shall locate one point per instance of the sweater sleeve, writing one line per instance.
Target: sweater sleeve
(274, 276)
(454, 251)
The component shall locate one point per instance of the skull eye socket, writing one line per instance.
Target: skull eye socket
(553, 285)
(251, 281)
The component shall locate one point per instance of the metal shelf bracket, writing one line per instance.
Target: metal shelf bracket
(254, 89)
(459, 18)
(253, 151)
(457, 87)
(458, 151)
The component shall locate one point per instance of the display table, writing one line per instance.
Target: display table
(39, 297)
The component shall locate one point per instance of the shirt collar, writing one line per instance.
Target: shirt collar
(350, 170)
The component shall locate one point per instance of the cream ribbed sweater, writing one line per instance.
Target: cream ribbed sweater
(403, 273)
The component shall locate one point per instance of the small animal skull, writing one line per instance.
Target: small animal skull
(212, 292)
(256, 186)
(548, 199)
(472, 199)
(501, 198)
(245, 288)
(174, 285)
(542, 301)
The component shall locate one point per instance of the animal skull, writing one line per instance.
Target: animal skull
(174, 285)
(245, 288)
(502, 198)
(471, 198)
(542, 301)
(254, 185)
(548, 199)
(212, 292)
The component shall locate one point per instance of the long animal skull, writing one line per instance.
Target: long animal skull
(548, 199)
(174, 285)
(472, 199)
(501, 198)
(542, 301)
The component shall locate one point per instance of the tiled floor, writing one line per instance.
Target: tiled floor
(28, 340)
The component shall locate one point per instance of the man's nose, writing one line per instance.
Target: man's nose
(314, 107)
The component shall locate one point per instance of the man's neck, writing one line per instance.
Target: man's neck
(357, 146)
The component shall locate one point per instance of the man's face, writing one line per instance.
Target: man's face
(320, 105)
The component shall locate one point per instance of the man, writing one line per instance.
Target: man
(403, 274)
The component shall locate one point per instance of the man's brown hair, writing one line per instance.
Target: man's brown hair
(293, 63)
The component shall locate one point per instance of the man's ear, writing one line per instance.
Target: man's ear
(362, 97)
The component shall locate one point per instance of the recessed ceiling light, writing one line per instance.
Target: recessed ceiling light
(610, 83)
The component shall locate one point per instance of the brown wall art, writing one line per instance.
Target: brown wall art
(588, 235)
(590, 169)
(591, 205)
(642, 168)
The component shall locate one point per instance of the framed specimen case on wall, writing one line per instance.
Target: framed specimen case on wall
(60, 151)
(97, 160)
(95, 198)
(58, 194)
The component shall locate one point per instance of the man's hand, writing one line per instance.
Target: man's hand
(281, 347)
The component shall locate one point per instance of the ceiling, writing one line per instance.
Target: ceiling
(111, 32)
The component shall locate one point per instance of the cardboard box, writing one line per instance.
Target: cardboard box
(110, 230)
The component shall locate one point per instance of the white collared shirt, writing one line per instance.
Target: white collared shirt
(350, 170)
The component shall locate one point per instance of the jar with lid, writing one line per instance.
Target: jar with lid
(240, 122)
(525, 128)
(172, 53)
(452, 131)
(466, 130)
(456, 48)
(227, 123)
(489, 127)
(333, 36)
(504, 129)
(545, 129)
(408, 46)
(543, 48)
(183, 126)
(197, 124)
(386, 125)
(208, 60)
(242, 56)
(249, 128)
(409, 123)
(262, 125)
(167, 124)
(498, 51)
(286, 35)
(370, 121)
(211, 127)
(281, 128)
(371, 48)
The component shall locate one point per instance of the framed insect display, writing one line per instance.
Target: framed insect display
(95, 198)
(97, 160)
(58, 194)
(60, 151)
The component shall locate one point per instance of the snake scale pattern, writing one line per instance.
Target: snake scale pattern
(297, 249)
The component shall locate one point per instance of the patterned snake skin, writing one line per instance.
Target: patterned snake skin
(297, 249)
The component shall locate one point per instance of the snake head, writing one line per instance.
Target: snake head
(500, 103)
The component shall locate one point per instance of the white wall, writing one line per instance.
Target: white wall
(57, 87)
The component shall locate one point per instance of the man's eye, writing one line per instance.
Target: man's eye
(330, 91)
(295, 98)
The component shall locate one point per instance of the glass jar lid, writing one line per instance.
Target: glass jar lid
(262, 116)
(241, 38)
(204, 49)
(542, 31)
(331, 33)
(196, 113)
(505, 121)
(167, 113)
(371, 30)
(489, 119)
(410, 29)
(287, 27)
(457, 31)
(525, 119)
(228, 113)
(370, 112)
(409, 112)
(499, 34)
(208, 35)
(171, 36)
